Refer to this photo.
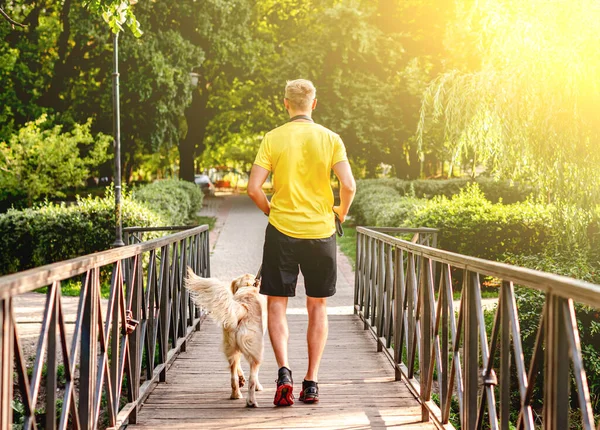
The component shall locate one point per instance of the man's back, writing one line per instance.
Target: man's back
(300, 156)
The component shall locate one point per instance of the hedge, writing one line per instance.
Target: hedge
(470, 224)
(34, 237)
(177, 201)
(495, 191)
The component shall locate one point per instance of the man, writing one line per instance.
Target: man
(301, 232)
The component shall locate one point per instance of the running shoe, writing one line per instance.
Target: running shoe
(285, 387)
(310, 392)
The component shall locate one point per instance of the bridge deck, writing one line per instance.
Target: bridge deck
(356, 383)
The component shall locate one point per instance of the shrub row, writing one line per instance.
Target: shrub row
(34, 237)
(176, 201)
(495, 191)
(470, 224)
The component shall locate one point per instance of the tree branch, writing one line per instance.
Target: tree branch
(10, 20)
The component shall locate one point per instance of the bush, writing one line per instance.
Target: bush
(470, 224)
(34, 237)
(493, 190)
(175, 200)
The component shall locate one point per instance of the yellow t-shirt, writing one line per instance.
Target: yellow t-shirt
(300, 156)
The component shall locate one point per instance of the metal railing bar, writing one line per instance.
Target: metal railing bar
(6, 363)
(51, 365)
(68, 401)
(41, 346)
(503, 306)
(442, 291)
(488, 383)
(103, 375)
(435, 345)
(455, 365)
(401, 229)
(21, 368)
(165, 228)
(425, 326)
(526, 382)
(29, 280)
(563, 286)
(583, 393)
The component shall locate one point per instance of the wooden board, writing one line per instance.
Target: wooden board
(356, 385)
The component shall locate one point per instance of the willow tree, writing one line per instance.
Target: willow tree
(529, 109)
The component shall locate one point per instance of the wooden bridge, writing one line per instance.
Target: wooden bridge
(402, 353)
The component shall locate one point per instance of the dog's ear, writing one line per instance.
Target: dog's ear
(235, 284)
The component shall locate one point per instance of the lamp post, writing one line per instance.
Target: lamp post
(117, 143)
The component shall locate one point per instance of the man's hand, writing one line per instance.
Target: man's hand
(340, 214)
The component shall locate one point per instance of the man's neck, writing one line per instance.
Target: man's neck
(295, 114)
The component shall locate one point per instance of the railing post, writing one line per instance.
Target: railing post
(368, 285)
(135, 345)
(6, 363)
(471, 352)
(399, 284)
(89, 352)
(164, 310)
(504, 357)
(556, 363)
(426, 324)
(357, 267)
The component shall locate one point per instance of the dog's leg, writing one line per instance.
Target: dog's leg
(234, 364)
(252, 386)
(241, 377)
(259, 386)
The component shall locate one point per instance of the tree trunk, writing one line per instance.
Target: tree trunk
(414, 166)
(197, 116)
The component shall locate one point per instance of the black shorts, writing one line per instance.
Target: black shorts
(283, 255)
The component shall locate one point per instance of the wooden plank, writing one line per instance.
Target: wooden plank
(357, 386)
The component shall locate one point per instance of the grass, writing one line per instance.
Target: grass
(347, 243)
(72, 288)
(210, 220)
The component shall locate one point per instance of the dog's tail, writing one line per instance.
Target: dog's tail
(216, 297)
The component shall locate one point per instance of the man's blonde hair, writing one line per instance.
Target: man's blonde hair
(300, 93)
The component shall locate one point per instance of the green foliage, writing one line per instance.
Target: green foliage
(50, 233)
(494, 190)
(34, 237)
(116, 13)
(174, 200)
(42, 160)
(523, 115)
(470, 224)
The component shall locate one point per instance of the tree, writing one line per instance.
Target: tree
(43, 162)
(529, 110)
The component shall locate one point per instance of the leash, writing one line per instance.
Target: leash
(258, 276)
(338, 226)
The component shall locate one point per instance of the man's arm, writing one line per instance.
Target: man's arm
(258, 176)
(348, 188)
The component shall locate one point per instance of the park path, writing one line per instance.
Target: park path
(357, 384)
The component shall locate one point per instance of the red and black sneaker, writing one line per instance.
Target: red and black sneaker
(284, 395)
(310, 392)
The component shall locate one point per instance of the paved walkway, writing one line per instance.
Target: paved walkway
(356, 383)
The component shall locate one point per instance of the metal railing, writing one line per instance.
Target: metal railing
(119, 347)
(404, 295)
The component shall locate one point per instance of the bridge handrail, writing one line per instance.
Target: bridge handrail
(148, 318)
(404, 290)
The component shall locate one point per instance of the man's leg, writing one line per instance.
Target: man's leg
(278, 328)
(279, 334)
(316, 335)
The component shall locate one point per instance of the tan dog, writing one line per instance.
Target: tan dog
(242, 311)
